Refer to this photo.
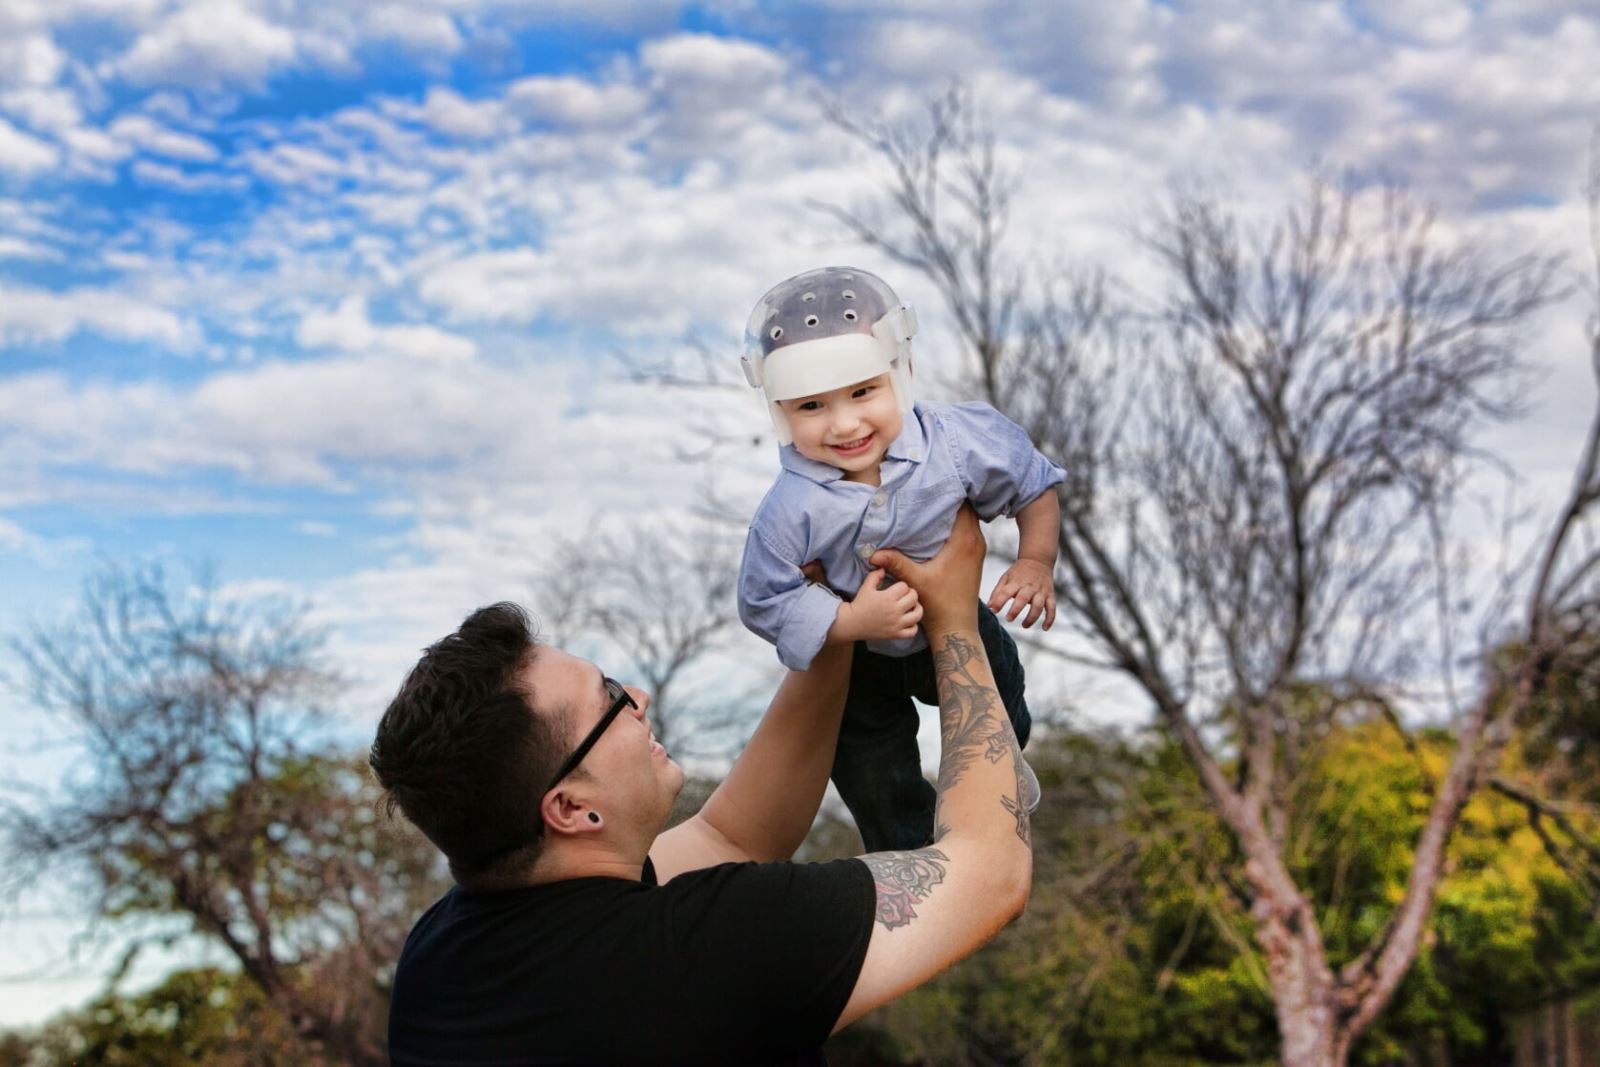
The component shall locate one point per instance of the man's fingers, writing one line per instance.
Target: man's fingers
(891, 560)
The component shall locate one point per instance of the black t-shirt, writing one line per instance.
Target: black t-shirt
(745, 963)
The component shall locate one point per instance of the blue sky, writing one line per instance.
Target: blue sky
(331, 293)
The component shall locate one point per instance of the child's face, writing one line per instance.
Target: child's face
(849, 428)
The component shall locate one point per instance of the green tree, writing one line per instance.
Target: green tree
(1137, 946)
(1263, 460)
(208, 798)
(196, 1017)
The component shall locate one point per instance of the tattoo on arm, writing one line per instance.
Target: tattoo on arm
(1019, 806)
(904, 880)
(969, 720)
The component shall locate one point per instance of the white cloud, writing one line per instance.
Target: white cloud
(210, 45)
(41, 550)
(30, 59)
(18, 248)
(708, 59)
(48, 108)
(152, 137)
(522, 439)
(451, 113)
(293, 164)
(426, 32)
(92, 148)
(1434, 21)
(575, 101)
(348, 329)
(35, 316)
(22, 153)
(152, 173)
(490, 286)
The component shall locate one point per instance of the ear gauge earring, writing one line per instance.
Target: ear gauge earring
(594, 817)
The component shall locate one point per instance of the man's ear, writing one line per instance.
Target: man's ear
(566, 813)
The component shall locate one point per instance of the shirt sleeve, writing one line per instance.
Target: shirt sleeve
(777, 603)
(771, 950)
(1002, 470)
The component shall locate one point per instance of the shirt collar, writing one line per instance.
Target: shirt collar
(908, 446)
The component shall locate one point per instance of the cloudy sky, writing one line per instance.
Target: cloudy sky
(337, 295)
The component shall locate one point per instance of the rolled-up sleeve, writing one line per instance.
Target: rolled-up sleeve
(777, 603)
(1002, 470)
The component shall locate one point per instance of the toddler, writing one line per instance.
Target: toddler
(864, 468)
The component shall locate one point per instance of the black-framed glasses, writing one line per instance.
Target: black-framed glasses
(619, 700)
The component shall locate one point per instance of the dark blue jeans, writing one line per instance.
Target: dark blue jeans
(877, 768)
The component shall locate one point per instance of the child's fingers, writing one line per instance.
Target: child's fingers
(1035, 609)
(997, 599)
(1018, 602)
(1049, 609)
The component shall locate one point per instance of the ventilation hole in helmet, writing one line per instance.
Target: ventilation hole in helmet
(849, 294)
(850, 315)
(808, 297)
(811, 320)
(777, 332)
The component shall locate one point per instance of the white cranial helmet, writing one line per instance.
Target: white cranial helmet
(825, 329)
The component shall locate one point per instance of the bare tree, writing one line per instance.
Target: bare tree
(201, 801)
(1261, 476)
(661, 596)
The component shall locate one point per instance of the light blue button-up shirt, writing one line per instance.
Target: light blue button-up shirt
(946, 454)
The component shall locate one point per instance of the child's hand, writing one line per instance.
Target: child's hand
(879, 614)
(1028, 584)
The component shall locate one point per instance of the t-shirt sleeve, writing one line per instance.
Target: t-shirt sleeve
(768, 949)
(778, 603)
(1001, 469)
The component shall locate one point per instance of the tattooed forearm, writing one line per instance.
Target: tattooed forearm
(904, 880)
(1027, 797)
(971, 722)
(1019, 813)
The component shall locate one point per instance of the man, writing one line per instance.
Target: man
(579, 933)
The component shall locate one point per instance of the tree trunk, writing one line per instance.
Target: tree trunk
(1304, 1009)
(1303, 985)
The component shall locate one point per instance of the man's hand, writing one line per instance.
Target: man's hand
(1027, 584)
(878, 612)
(948, 583)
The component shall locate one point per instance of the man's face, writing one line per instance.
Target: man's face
(627, 775)
(849, 428)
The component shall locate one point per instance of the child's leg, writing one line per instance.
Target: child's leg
(877, 768)
(1007, 668)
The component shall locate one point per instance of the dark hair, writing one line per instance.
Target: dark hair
(463, 752)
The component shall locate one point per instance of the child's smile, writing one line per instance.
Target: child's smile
(849, 428)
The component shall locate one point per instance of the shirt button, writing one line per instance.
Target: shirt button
(865, 551)
(878, 498)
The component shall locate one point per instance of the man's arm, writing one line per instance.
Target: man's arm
(764, 808)
(938, 904)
